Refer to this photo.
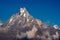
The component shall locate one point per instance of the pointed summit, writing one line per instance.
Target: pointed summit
(24, 12)
(23, 25)
(22, 16)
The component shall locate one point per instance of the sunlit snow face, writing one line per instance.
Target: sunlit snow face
(11, 20)
(55, 26)
(22, 10)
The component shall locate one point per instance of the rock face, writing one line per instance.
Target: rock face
(22, 26)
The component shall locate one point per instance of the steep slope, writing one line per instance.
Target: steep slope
(22, 26)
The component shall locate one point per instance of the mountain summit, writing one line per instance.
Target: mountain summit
(23, 26)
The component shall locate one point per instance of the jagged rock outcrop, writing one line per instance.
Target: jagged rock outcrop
(23, 26)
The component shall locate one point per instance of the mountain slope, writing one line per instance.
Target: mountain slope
(23, 26)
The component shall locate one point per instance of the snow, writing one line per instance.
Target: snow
(24, 15)
(27, 20)
(55, 26)
(10, 20)
(22, 10)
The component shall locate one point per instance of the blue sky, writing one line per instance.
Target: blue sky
(46, 10)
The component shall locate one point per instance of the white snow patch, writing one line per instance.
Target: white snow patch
(27, 20)
(11, 20)
(57, 34)
(55, 26)
(24, 15)
(22, 10)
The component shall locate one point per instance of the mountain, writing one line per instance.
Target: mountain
(23, 26)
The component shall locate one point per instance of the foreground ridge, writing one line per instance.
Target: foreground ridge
(23, 26)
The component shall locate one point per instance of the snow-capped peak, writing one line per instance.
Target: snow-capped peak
(23, 25)
(55, 26)
(22, 15)
(24, 12)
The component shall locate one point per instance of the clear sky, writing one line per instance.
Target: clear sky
(46, 10)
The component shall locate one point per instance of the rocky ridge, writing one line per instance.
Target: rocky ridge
(23, 26)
